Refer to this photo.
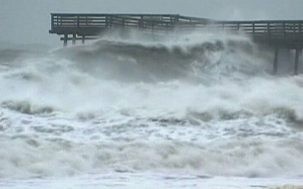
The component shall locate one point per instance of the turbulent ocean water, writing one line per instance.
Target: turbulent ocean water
(198, 110)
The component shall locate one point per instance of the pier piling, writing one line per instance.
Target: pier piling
(74, 38)
(275, 65)
(297, 58)
(65, 40)
(83, 39)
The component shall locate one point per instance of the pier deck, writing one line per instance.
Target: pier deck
(275, 33)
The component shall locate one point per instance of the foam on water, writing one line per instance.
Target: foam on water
(195, 103)
(149, 181)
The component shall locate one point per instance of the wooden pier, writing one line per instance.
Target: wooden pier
(278, 34)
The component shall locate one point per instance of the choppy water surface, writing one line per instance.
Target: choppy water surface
(193, 110)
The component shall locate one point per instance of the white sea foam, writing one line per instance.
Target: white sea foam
(194, 103)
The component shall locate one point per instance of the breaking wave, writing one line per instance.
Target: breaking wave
(202, 103)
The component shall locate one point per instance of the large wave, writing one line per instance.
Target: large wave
(198, 102)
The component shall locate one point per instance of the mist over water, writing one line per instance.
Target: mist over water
(197, 103)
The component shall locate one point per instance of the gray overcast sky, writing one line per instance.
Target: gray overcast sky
(28, 21)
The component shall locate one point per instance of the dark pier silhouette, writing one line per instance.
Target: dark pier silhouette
(278, 34)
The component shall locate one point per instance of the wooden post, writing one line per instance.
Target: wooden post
(74, 39)
(152, 22)
(78, 21)
(141, 23)
(123, 23)
(83, 39)
(268, 32)
(65, 40)
(275, 65)
(52, 21)
(298, 52)
(284, 31)
(110, 21)
(106, 22)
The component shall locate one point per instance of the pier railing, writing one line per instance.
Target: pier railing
(269, 29)
(283, 32)
(92, 23)
(275, 33)
(167, 21)
(279, 32)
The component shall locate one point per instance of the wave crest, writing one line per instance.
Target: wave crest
(26, 107)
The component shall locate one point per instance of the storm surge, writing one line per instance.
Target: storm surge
(198, 103)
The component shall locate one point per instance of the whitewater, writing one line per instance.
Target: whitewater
(192, 110)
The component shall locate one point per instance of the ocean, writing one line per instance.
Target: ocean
(192, 110)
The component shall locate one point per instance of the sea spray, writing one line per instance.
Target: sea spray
(197, 103)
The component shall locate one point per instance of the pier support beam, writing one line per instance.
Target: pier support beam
(65, 40)
(275, 65)
(74, 39)
(297, 56)
(83, 39)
